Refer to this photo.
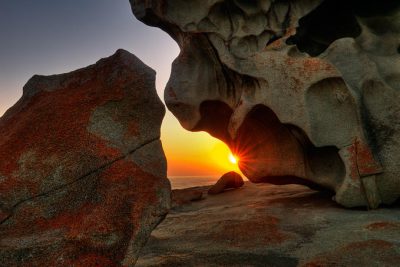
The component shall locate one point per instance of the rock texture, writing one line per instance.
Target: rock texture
(300, 94)
(270, 225)
(230, 180)
(185, 196)
(82, 171)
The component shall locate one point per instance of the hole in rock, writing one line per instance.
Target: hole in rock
(263, 140)
(199, 158)
(335, 19)
(271, 151)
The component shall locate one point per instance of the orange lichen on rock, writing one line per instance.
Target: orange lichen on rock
(358, 254)
(378, 226)
(74, 191)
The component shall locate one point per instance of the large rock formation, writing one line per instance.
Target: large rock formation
(82, 171)
(299, 93)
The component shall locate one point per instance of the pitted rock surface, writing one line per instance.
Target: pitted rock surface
(300, 94)
(83, 175)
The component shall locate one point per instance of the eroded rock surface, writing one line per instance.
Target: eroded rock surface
(270, 225)
(83, 175)
(185, 196)
(300, 94)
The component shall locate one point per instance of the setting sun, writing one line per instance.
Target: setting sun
(233, 159)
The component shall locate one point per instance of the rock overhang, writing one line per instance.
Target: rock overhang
(322, 102)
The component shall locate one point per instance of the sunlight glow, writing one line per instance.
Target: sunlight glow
(194, 153)
(233, 159)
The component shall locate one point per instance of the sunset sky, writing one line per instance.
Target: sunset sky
(50, 37)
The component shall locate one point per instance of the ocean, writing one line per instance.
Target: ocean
(179, 182)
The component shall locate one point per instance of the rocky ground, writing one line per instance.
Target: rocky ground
(267, 225)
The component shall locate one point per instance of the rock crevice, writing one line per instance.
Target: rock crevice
(92, 172)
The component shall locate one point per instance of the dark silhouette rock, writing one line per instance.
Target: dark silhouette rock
(229, 180)
(82, 171)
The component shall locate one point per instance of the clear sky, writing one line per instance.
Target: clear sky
(56, 36)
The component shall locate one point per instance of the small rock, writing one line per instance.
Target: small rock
(229, 180)
(185, 196)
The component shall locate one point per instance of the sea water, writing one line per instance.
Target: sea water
(179, 182)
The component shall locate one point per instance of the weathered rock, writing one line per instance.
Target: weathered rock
(185, 196)
(300, 94)
(83, 175)
(230, 180)
(270, 225)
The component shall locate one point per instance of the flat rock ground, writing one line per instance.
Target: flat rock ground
(267, 225)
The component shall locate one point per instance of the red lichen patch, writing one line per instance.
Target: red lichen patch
(289, 61)
(133, 130)
(102, 228)
(66, 126)
(252, 232)
(79, 201)
(352, 154)
(362, 162)
(367, 165)
(306, 68)
(53, 124)
(360, 253)
(105, 222)
(92, 260)
(115, 189)
(314, 65)
(379, 226)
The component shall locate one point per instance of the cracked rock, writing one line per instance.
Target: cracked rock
(82, 170)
